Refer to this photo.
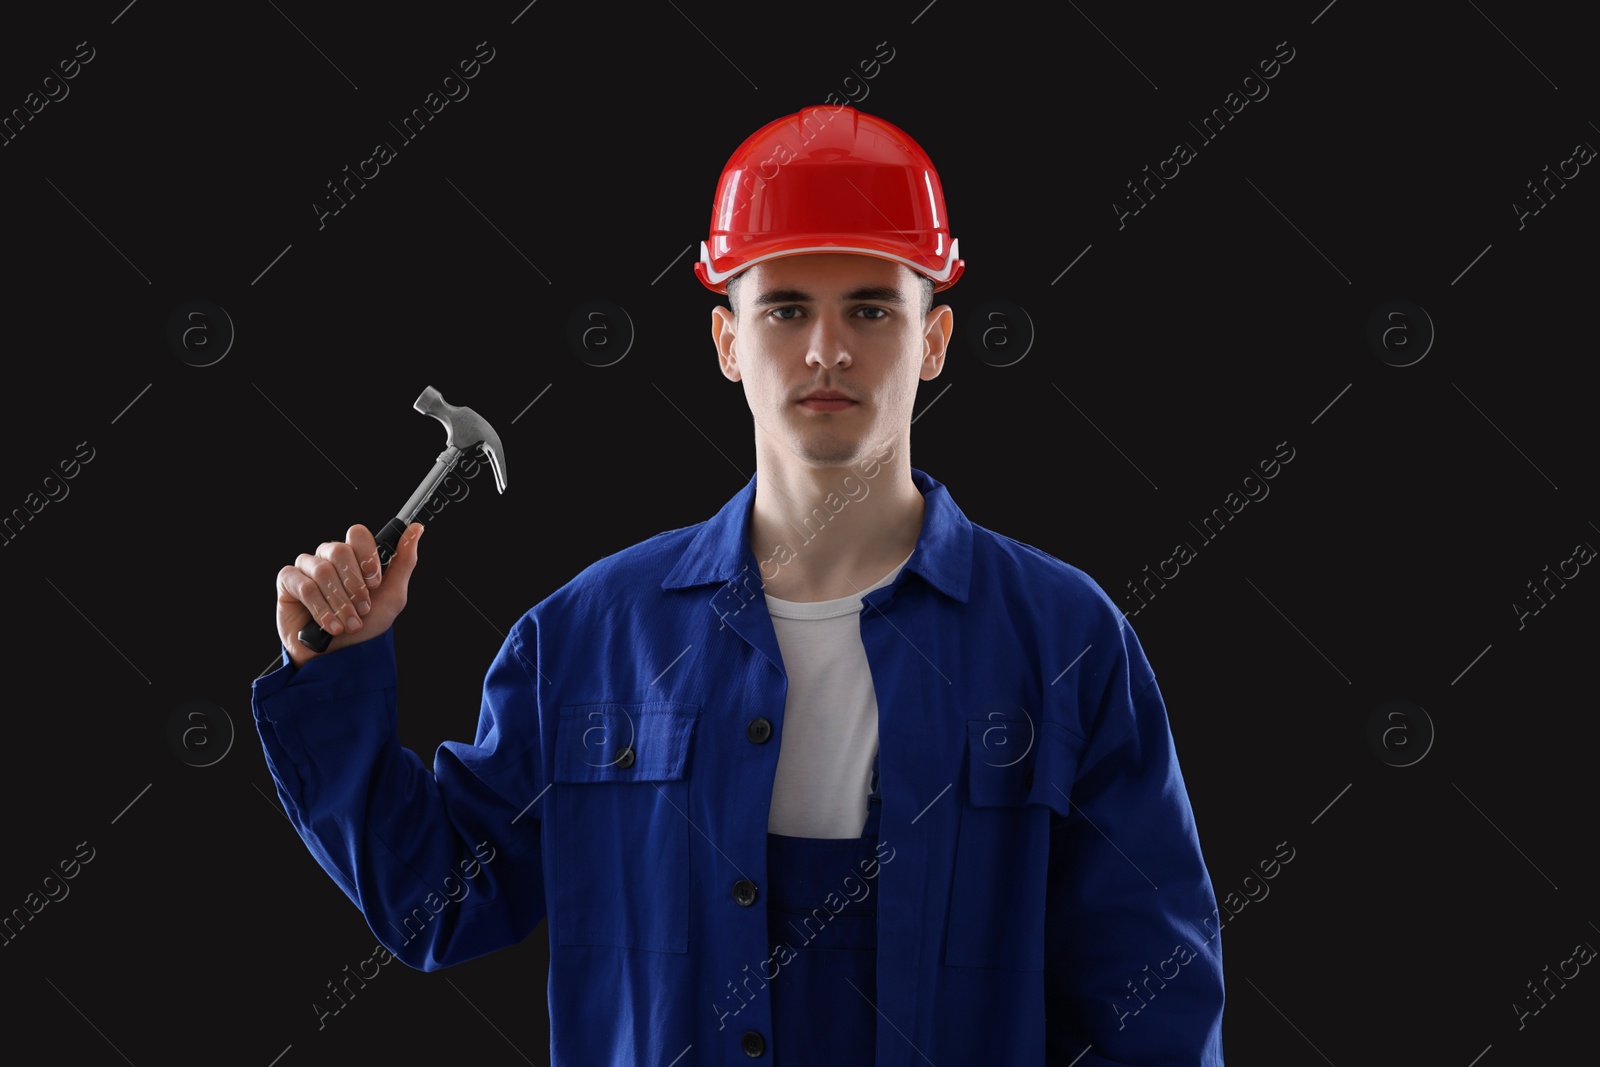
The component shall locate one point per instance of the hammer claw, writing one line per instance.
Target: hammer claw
(465, 430)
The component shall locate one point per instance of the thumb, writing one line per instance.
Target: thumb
(405, 558)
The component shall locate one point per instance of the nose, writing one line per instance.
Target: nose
(826, 345)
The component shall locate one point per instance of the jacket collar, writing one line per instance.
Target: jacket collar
(720, 551)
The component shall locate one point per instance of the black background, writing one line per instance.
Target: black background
(1176, 352)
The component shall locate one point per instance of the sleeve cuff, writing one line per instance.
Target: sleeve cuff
(352, 671)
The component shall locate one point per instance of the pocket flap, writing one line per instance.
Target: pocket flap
(610, 742)
(1015, 762)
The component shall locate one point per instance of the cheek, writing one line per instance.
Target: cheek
(763, 391)
(908, 376)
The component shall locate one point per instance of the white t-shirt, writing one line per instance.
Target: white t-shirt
(830, 717)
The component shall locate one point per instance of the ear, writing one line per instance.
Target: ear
(722, 334)
(936, 332)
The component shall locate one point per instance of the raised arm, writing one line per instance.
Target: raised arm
(444, 863)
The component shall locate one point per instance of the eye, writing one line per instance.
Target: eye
(876, 312)
(782, 313)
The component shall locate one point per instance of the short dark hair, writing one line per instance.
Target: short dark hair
(927, 292)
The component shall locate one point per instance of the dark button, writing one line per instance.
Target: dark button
(625, 758)
(753, 1044)
(744, 891)
(758, 730)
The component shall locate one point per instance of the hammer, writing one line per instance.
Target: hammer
(465, 430)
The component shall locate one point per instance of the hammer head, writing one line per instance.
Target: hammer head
(466, 429)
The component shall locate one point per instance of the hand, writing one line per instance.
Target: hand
(344, 590)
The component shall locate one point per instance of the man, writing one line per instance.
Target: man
(835, 777)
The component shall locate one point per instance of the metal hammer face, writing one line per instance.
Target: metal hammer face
(466, 429)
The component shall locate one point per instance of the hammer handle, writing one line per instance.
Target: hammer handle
(315, 637)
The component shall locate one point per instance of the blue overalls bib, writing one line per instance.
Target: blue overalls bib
(818, 1019)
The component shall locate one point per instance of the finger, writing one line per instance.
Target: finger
(296, 588)
(330, 594)
(290, 606)
(365, 547)
(351, 583)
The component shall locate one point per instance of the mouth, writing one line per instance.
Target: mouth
(826, 400)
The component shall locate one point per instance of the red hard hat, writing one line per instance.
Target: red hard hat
(829, 179)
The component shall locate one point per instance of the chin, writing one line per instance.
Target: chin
(831, 453)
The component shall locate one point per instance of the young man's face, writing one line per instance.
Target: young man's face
(845, 323)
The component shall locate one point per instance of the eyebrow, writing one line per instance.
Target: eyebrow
(882, 294)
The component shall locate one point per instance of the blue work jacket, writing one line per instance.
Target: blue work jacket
(1040, 890)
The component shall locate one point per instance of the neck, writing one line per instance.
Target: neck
(820, 533)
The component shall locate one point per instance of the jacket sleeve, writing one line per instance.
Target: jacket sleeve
(444, 864)
(1131, 975)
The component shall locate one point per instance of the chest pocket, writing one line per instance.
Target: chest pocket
(1013, 790)
(621, 821)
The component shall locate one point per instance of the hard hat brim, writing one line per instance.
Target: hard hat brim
(942, 274)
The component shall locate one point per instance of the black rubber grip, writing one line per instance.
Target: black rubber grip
(315, 637)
